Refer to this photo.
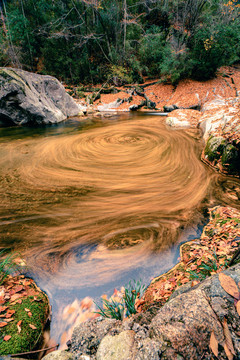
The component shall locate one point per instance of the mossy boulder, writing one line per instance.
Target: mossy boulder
(24, 312)
(219, 152)
(32, 99)
(214, 148)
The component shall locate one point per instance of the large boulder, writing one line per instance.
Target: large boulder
(28, 98)
(196, 322)
(221, 131)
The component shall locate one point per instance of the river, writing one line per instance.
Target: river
(92, 204)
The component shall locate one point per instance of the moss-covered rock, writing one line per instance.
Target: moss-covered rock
(24, 311)
(231, 158)
(222, 154)
(214, 148)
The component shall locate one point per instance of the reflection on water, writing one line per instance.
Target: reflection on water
(91, 205)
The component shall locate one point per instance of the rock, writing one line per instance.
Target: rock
(149, 103)
(183, 118)
(183, 326)
(28, 98)
(214, 148)
(118, 347)
(181, 329)
(175, 122)
(86, 337)
(59, 355)
(111, 106)
(34, 321)
(169, 108)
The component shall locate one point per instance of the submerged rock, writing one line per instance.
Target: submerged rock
(32, 99)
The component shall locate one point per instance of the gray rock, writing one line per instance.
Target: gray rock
(148, 349)
(183, 326)
(86, 337)
(170, 108)
(59, 355)
(28, 98)
(118, 347)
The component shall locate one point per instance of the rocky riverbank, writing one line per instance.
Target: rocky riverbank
(214, 106)
(191, 312)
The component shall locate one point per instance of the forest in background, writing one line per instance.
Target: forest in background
(124, 40)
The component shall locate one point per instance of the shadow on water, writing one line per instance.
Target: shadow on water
(92, 204)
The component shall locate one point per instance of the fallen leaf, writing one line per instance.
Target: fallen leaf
(214, 344)
(29, 314)
(9, 320)
(7, 337)
(32, 327)
(18, 288)
(228, 352)
(15, 297)
(9, 313)
(184, 280)
(238, 307)
(3, 308)
(228, 337)
(229, 285)
(2, 324)
(19, 326)
(27, 310)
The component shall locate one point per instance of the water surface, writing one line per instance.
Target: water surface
(92, 204)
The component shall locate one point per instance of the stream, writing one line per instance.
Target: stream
(92, 204)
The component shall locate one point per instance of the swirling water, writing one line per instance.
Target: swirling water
(91, 205)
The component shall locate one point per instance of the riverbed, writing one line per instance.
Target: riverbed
(90, 205)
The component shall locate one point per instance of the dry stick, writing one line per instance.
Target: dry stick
(101, 89)
(35, 351)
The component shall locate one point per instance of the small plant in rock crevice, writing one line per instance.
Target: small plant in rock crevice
(122, 304)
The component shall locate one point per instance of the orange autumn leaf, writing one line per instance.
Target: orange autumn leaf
(228, 337)
(229, 285)
(19, 326)
(10, 313)
(9, 320)
(29, 314)
(32, 327)
(3, 308)
(27, 310)
(214, 344)
(7, 337)
(2, 324)
(238, 307)
(228, 352)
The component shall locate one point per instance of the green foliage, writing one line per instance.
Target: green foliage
(133, 291)
(120, 75)
(124, 305)
(85, 41)
(207, 268)
(151, 51)
(111, 309)
(28, 338)
(8, 265)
